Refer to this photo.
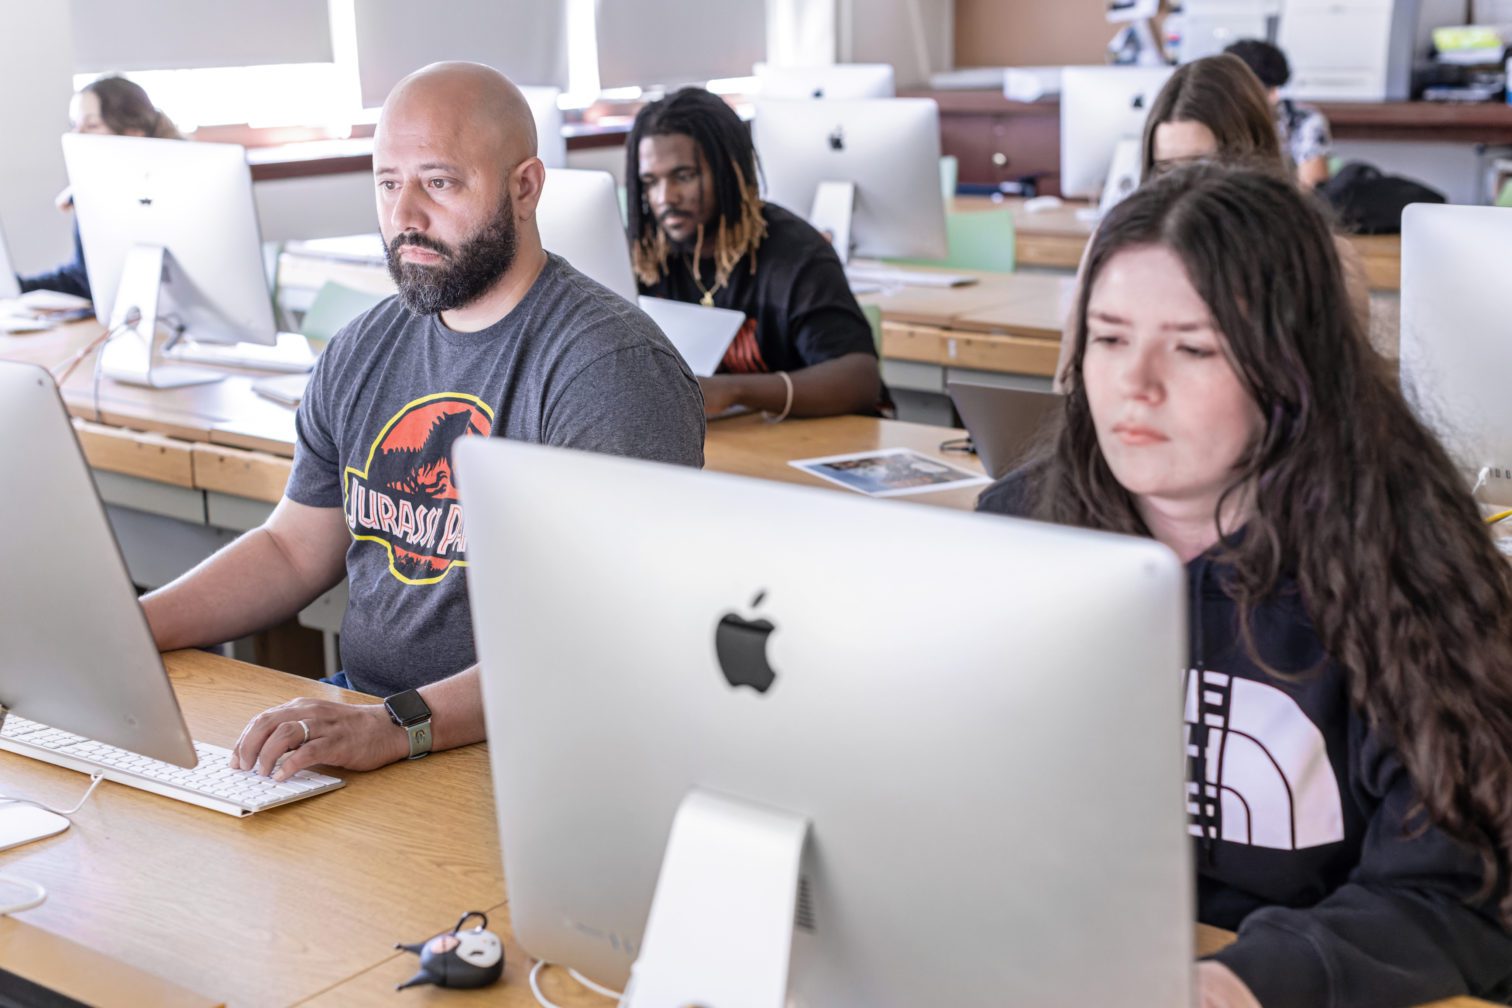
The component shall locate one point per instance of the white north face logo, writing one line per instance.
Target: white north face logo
(1266, 780)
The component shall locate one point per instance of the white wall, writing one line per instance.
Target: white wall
(319, 206)
(36, 79)
(916, 36)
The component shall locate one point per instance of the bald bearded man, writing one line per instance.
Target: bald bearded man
(489, 335)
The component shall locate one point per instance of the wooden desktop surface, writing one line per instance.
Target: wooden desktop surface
(1055, 238)
(226, 438)
(296, 905)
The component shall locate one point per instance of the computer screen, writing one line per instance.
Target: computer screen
(579, 219)
(551, 145)
(194, 201)
(889, 149)
(77, 653)
(837, 80)
(978, 718)
(1455, 354)
(1101, 106)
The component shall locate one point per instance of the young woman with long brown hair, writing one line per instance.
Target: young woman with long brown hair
(1349, 694)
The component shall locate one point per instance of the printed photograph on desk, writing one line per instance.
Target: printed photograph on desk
(889, 473)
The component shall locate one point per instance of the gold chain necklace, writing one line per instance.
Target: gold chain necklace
(708, 292)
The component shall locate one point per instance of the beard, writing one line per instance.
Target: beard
(469, 270)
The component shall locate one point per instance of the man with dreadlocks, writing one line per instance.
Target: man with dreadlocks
(699, 232)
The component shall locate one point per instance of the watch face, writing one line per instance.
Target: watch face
(407, 707)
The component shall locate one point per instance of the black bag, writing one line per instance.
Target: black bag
(1371, 202)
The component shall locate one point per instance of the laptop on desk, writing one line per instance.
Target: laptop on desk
(1003, 422)
(700, 333)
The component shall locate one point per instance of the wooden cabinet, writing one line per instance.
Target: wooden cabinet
(997, 140)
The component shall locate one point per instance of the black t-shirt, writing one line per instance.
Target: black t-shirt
(798, 304)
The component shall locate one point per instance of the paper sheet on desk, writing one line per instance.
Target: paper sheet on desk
(889, 472)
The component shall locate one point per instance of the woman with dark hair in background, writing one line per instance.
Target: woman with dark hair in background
(1349, 689)
(108, 105)
(1302, 128)
(1214, 109)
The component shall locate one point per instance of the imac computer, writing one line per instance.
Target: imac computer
(81, 682)
(745, 755)
(551, 145)
(170, 240)
(1455, 353)
(865, 171)
(77, 654)
(1101, 108)
(838, 80)
(579, 219)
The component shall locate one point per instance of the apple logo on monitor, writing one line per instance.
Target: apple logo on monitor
(740, 645)
(837, 138)
(1138, 102)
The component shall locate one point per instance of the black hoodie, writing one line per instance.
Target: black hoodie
(1303, 825)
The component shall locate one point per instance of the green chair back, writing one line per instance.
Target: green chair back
(873, 315)
(977, 239)
(950, 174)
(334, 306)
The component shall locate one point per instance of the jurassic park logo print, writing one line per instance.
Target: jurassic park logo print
(405, 499)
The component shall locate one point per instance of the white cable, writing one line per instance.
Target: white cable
(94, 782)
(38, 895)
(544, 1002)
(596, 988)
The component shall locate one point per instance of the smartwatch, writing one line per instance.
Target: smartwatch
(409, 711)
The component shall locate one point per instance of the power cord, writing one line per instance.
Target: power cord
(37, 894)
(545, 1002)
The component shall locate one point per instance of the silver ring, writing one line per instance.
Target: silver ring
(306, 727)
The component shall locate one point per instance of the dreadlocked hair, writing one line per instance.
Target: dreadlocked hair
(1353, 498)
(724, 143)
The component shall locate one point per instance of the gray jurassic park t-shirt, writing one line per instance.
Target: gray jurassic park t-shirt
(573, 365)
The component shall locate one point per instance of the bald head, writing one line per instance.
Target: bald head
(457, 100)
(457, 185)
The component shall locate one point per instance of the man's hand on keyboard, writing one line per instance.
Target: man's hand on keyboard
(353, 736)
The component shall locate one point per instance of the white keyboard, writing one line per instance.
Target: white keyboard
(889, 276)
(212, 783)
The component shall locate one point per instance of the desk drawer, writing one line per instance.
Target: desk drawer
(152, 457)
(240, 473)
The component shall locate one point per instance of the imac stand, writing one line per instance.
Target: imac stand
(834, 204)
(720, 931)
(128, 354)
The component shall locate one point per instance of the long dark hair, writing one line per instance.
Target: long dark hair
(1223, 94)
(725, 144)
(1352, 497)
(124, 106)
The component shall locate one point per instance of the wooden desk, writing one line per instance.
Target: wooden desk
(300, 904)
(275, 908)
(1056, 238)
(225, 439)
